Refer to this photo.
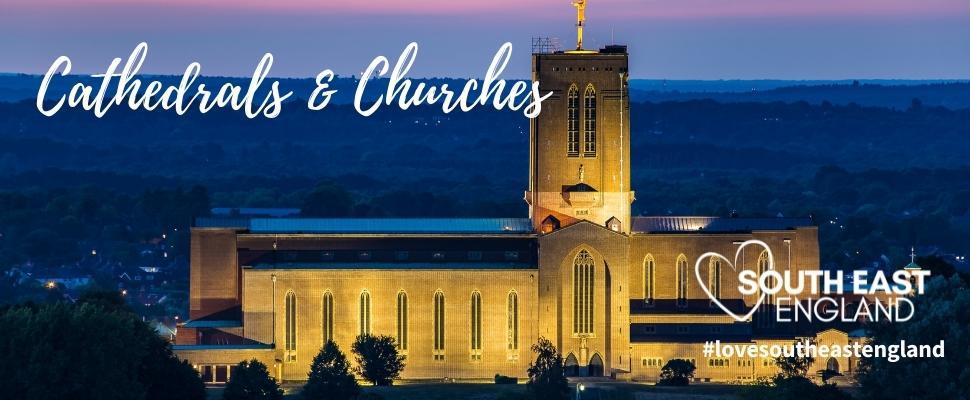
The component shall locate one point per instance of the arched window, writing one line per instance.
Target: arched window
(572, 122)
(364, 313)
(439, 326)
(648, 273)
(595, 367)
(765, 312)
(714, 276)
(832, 364)
(571, 365)
(682, 280)
(402, 321)
(476, 326)
(290, 340)
(583, 268)
(327, 320)
(589, 119)
(762, 263)
(512, 319)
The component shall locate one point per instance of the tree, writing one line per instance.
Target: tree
(169, 377)
(791, 388)
(941, 313)
(110, 300)
(329, 377)
(327, 200)
(793, 366)
(676, 372)
(88, 351)
(936, 265)
(377, 359)
(546, 378)
(250, 380)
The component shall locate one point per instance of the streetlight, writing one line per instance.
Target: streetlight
(579, 390)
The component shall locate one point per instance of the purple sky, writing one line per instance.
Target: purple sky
(673, 39)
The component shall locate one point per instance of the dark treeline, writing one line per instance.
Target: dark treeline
(874, 212)
(871, 92)
(128, 186)
(952, 95)
(780, 139)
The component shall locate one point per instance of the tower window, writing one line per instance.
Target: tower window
(512, 314)
(589, 120)
(402, 321)
(572, 122)
(765, 312)
(476, 326)
(290, 340)
(583, 267)
(439, 326)
(365, 313)
(327, 324)
(682, 281)
(648, 271)
(715, 278)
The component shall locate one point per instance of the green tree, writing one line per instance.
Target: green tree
(791, 388)
(792, 383)
(110, 300)
(942, 312)
(329, 377)
(328, 199)
(168, 377)
(936, 265)
(793, 366)
(88, 351)
(546, 378)
(377, 359)
(676, 372)
(250, 380)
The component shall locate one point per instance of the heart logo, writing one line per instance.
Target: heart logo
(761, 298)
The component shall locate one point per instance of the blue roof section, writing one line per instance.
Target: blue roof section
(189, 347)
(402, 266)
(715, 224)
(372, 225)
(225, 222)
(212, 324)
(255, 212)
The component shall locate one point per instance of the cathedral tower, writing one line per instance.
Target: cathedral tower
(579, 162)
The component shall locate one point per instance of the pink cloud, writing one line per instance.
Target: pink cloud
(542, 8)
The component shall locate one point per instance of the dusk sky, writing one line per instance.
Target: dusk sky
(672, 39)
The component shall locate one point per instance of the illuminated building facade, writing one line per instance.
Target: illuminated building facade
(466, 298)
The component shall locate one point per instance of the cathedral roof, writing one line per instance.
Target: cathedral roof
(396, 265)
(715, 224)
(373, 225)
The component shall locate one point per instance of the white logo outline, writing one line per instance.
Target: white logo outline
(700, 281)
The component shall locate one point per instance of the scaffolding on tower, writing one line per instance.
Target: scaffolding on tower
(545, 45)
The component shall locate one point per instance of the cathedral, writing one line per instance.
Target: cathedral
(465, 299)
